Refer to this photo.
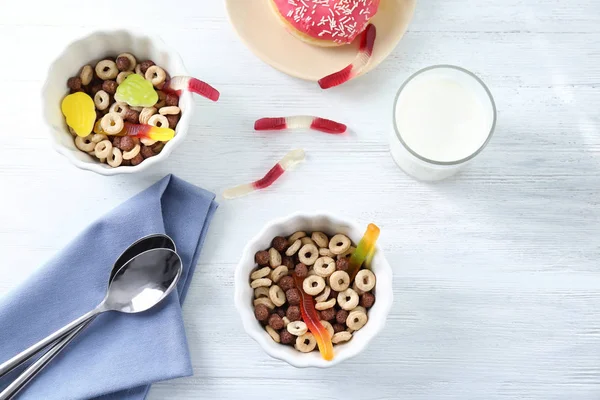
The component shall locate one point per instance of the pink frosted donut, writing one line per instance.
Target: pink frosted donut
(325, 22)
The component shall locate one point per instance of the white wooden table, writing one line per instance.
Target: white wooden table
(497, 279)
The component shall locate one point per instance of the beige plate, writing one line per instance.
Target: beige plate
(260, 29)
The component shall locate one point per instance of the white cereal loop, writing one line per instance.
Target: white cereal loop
(348, 299)
(274, 258)
(365, 280)
(306, 343)
(339, 244)
(147, 141)
(313, 285)
(138, 109)
(122, 75)
(307, 240)
(311, 272)
(296, 236)
(264, 301)
(278, 273)
(341, 337)
(115, 158)
(329, 328)
(323, 296)
(297, 328)
(170, 110)
(101, 100)
(131, 58)
(131, 154)
(158, 120)
(293, 249)
(356, 320)
(103, 149)
(86, 75)
(276, 295)
(273, 333)
(308, 254)
(120, 108)
(262, 282)
(356, 289)
(347, 253)
(98, 137)
(325, 305)
(146, 113)
(138, 70)
(85, 143)
(360, 308)
(107, 69)
(286, 321)
(320, 239)
(260, 273)
(339, 281)
(261, 292)
(112, 123)
(324, 266)
(325, 252)
(156, 75)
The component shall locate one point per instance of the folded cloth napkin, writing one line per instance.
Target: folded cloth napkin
(118, 356)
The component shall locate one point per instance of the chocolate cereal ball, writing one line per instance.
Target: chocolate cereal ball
(172, 100)
(262, 257)
(293, 296)
(286, 337)
(144, 65)
(137, 160)
(342, 264)
(74, 83)
(279, 311)
(147, 152)
(132, 116)
(293, 313)
(288, 262)
(109, 87)
(286, 283)
(328, 315)
(341, 316)
(123, 63)
(301, 270)
(367, 300)
(339, 328)
(173, 121)
(279, 243)
(127, 143)
(261, 312)
(276, 322)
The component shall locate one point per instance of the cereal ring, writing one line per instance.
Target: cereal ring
(329, 328)
(101, 100)
(320, 239)
(122, 75)
(339, 244)
(85, 143)
(158, 120)
(297, 328)
(348, 299)
(360, 309)
(147, 141)
(325, 252)
(98, 137)
(264, 301)
(308, 254)
(293, 249)
(306, 343)
(277, 296)
(103, 149)
(112, 123)
(341, 337)
(132, 60)
(86, 74)
(131, 154)
(260, 273)
(146, 113)
(136, 109)
(339, 281)
(325, 305)
(365, 280)
(156, 75)
(307, 240)
(278, 273)
(324, 266)
(323, 296)
(286, 321)
(162, 99)
(313, 285)
(296, 236)
(138, 70)
(107, 69)
(72, 131)
(356, 320)
(347, 253)
(120, 108)
(311, 272)
(273, 333)
(274, 258)
(261, 292)
(115, 158)
(356, 289)
(264, 282)
(170, 110)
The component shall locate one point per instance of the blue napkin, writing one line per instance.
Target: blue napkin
(118, 356)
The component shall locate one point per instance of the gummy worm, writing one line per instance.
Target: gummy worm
(148, 132)
(299, 122)
(365, 51)
(365, 247)
(312, 321)
(286, 163)
(177, 84)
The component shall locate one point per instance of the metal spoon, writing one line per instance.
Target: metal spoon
(139, 285)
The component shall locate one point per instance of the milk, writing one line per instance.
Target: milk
(443, 117)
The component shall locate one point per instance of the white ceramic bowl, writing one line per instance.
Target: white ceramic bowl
(309, 222)
(89, 50)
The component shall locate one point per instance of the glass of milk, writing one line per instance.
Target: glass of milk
(444, 116)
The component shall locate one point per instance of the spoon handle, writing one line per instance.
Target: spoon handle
(31, 372)
(9, 365)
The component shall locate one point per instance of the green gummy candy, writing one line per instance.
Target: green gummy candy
(137, 92)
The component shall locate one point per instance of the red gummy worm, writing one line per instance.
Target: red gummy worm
(269, 178)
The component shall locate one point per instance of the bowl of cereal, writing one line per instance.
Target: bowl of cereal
(91, 71)
(304, 259)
